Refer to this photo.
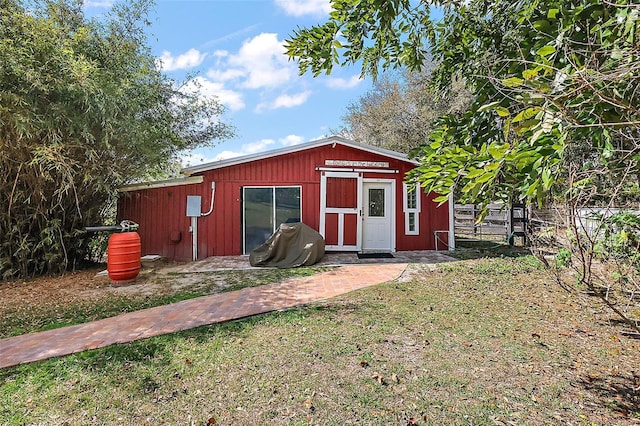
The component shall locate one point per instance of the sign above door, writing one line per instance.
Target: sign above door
(350, 163)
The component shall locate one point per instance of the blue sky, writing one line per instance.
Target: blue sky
(236, 49)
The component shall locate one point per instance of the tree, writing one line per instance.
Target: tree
(546, 75)
(556, 91)
(399, 112)
(83, 109)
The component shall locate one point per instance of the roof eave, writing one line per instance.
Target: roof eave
(188, 180)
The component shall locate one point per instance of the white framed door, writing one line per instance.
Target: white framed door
(377, 215)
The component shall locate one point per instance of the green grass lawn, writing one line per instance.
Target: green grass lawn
(484, 341)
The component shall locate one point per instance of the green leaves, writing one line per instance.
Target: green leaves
(498, 151)
(554, 83)
(546, 51)
(83, 109)
(543, 26)
(527, 114)
(512, 82)
(502, 111)
(380, 35)
(552, 13)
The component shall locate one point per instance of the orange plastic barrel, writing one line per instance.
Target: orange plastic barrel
(123, 257)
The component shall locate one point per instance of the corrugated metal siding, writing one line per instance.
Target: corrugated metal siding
(161, 211)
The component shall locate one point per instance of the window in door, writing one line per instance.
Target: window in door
(376, 202)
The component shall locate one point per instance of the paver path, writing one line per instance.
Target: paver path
(193, 313)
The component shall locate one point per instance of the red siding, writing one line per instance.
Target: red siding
(161, 212)
(431, 218)
(350, 229)
(331, 229)
(342, 193)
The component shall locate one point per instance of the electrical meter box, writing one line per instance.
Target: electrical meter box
(194, 205)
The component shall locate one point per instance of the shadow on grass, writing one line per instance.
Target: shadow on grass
(477, 249)
(625, 329)
(159, 349)
(620, 394)
(83, 312)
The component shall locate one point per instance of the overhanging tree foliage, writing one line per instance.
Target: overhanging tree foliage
(83, 109)
(556, 88)
(548, 76)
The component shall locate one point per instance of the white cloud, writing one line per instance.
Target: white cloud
(245, 149)
(343, 83)
(225, 75)
(259, 64)
(258, 146)
(229, 98)
(258, 69)
(291, 140)
(263, 63)
(230, 36)
(304, 7)
(225, 155)
(103, 4)
(193, 159)
(189, 59)
(322, 135)
(285, 101)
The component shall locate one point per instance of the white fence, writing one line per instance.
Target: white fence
(590, 219)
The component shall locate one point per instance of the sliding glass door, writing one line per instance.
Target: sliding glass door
(264, 208)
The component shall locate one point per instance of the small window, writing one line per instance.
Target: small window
(412, 199)
(411, 207)
(376, 202)
(412, 225)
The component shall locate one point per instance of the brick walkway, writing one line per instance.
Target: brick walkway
(193, 313)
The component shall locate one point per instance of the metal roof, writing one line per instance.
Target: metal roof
(296, 148)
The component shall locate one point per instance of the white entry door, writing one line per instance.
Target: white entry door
(377, 223)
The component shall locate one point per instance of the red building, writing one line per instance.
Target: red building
(353, 194)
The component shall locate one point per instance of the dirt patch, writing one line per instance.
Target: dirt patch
(92, 285)
(70, 288)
